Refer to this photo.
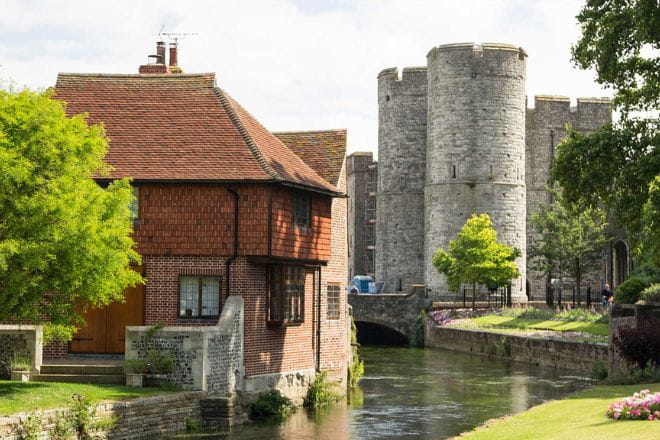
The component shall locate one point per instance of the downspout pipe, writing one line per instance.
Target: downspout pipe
(318, 322)
(235, 253)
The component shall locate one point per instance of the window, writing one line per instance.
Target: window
(333, 300)
(135, 206)
(199, 297)
(302, 211)
(286, 302)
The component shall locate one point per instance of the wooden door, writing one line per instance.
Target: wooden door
(106, 328)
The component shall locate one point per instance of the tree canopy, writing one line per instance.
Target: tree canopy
(476, 257)
(65, 241)
(571, 239)
(620, 40)
(613, 167)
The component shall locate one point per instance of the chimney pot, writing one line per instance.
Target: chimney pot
(174, 60)
(160, 52)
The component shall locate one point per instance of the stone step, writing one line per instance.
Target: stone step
(83, 369)
(117, 379)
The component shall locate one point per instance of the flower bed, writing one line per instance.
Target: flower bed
(641, 406)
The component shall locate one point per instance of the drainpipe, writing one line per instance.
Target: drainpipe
(235, 254)
(318, 322)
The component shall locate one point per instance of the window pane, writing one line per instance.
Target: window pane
(333, 301)
(210, 296)
(188, 295)
(275, 294)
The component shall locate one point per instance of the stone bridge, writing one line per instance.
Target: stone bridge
(388, 317)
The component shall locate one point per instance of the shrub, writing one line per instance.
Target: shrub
(20, 362)
(320, 392)
(192, 425)
(651, 293)
(137, 366)
(62, 429)
(640, 406)
(356, 369)
(31, 427)
(417, 338)
(599, 370)
(639, 346)
(271, 404)
(630, 290)
(80, 415)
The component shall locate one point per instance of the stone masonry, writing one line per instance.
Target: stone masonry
(455, 138)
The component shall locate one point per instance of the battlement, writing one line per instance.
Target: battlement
(556, 103)
(408, 73)
(479, 49)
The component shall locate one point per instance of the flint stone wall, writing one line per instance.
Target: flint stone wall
(206, 358)
(26, 340)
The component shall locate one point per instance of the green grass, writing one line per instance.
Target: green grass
(16, 397)
(579, 416)
(594, 328)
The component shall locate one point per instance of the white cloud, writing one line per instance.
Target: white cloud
(296, 64)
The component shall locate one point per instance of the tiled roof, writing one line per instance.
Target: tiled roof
(181, 127)
(323, 150)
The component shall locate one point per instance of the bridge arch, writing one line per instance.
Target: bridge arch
(370, 332)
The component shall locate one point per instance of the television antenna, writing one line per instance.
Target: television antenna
(174, 36)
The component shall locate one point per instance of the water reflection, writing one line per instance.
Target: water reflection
(414, 393)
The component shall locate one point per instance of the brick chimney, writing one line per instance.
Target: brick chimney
(156, 64)
(174, 67)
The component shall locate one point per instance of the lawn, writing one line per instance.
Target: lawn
(16, 397)
(594, 328)
(579, 416)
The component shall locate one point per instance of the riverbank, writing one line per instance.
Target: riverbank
(566, 354)
(580, 415)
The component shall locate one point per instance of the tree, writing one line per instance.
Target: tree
(571, 240)
(476, 257)
(65, 242)
(613, 167)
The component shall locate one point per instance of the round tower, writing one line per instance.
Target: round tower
(401, 166)
(475, 152)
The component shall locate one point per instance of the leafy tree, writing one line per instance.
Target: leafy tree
(476, 257)
(64, 240)
(613, 167)
(571, 239)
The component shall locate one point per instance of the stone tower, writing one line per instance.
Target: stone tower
(401, 166)
(475, 149)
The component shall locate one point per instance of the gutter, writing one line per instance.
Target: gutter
(235, 254)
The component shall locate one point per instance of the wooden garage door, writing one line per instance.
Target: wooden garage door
(105, 329)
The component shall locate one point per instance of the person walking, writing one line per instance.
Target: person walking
(606, 297)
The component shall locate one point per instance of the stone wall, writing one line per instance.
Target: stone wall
(22, 340)
(150, 417)
(578, 356)
(207, 358)
(402, 108)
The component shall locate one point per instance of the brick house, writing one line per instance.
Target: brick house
(223, 208)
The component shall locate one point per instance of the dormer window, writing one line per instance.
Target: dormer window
(302, 210)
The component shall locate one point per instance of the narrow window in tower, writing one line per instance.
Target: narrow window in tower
(453, 172)
(491, 172)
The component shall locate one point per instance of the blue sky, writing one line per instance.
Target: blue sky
(295, 64)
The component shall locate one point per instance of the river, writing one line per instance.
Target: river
(411, 393)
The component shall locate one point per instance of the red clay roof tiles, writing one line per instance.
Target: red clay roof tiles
(181, 127)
